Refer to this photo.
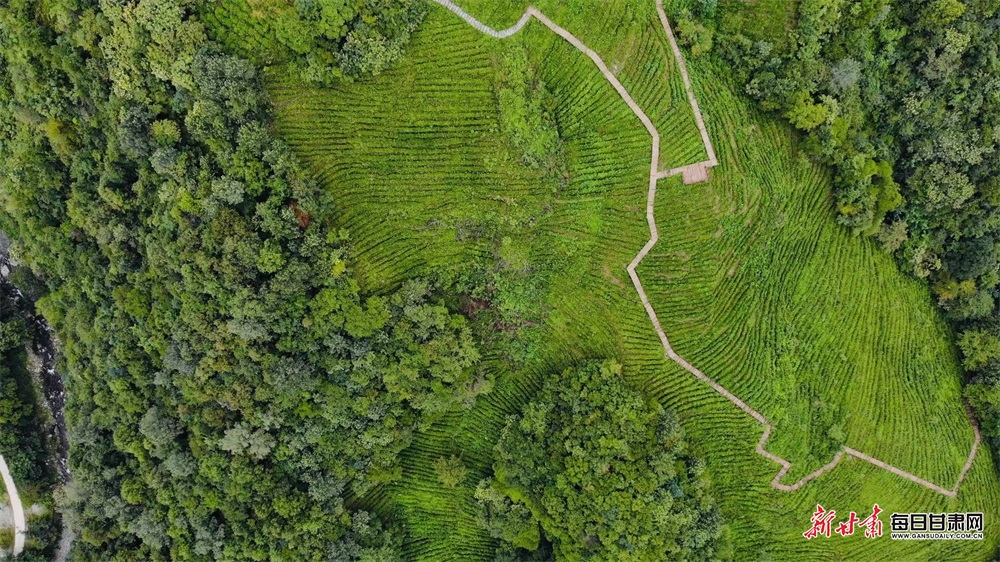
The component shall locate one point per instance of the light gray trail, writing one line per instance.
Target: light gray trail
(20, 524)
(503, 34)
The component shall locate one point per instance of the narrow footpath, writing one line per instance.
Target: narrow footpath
(20, 524)
(694, 173)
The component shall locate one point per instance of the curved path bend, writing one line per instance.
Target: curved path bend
(694, 173)
(20, 524)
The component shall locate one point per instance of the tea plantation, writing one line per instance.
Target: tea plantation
(383, 280)
(752, 280)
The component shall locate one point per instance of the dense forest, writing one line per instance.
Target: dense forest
(902, 101)
(230, 386)
(232, 391)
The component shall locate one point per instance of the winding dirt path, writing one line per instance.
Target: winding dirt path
(20, 524)
(694, 173)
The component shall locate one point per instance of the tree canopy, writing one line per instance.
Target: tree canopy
(606, 474)
(321, 40)
(21, 442)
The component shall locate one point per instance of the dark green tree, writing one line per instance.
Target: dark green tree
(606, 474)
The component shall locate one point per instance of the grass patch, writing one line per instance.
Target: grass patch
(759, 20)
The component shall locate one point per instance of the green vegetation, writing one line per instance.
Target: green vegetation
(607, 476)
(821, 335)
(450, 471)
(816, 329)
(23, 441)
(311, 351)
(771, 21)
(21, 444)
(630, 39)
(900, 98)
(430, 152)
(322, 41)
(525, 114)
(692, 34)
(231, 386)
(416, 155)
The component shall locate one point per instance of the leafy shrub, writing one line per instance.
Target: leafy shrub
(693, 34)
(524, 116)
(450, 471)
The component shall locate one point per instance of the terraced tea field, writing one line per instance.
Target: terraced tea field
(751, 279)
(628, 36)
(758, 287)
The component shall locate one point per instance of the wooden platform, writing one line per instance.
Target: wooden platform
(696, 173)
